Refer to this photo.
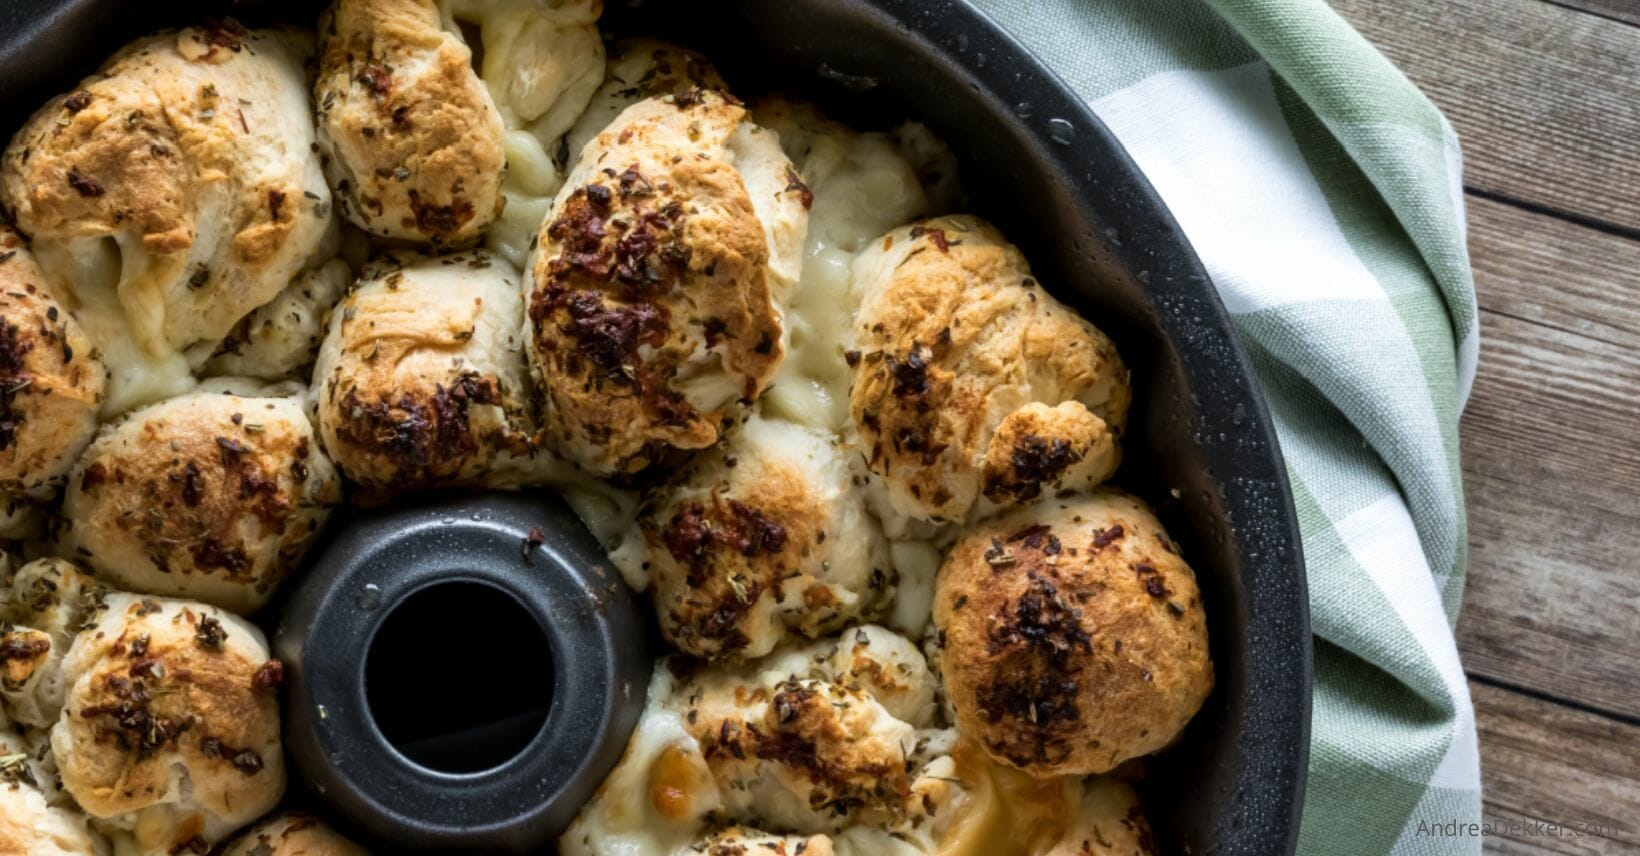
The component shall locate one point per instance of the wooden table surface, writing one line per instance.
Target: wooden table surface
(1545, 95)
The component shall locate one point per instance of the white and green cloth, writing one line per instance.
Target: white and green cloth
(1323, 193)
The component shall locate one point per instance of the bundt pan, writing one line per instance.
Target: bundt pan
(1201, 447)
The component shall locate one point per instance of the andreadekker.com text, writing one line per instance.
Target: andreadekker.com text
(1513, 829)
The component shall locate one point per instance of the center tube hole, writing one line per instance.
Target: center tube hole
(459, 677)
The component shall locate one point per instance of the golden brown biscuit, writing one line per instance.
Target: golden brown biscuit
(973, 387)
(803, 754)
(1041, 449)
(801, 740)
(637, 69)
(192, 151)
(209, 496)
(655, 285)
(1072, 635)
(51, 381)
(170, 733)
(292, 833)
(869, 659)
(421, 379)
(414, 142)
(766, 533)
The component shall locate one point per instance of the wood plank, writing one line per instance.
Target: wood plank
(1627, 11)
(1546, 99)
(1551, 462)
(1551, 272)
(1546, 762)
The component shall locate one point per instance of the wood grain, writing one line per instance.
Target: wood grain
(1545, 98)
(1552, 465)
(1547, 271)
(1544, 762)
(1627, 11)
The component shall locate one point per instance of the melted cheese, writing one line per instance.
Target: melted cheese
(1007, 811)
(540, 59)
(918, 563)
(863, 186)
(655, 800)
(531, 181)
(512, 237)
(142, 369)
(541, 62)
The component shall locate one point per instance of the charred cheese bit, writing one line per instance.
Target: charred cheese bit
(675, 782)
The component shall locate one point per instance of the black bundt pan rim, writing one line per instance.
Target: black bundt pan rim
(597, 659)
(1201, 448)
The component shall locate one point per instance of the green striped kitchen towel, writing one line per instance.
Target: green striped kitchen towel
(1323, 194)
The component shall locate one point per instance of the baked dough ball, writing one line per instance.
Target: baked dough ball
(281, 337)
(193, 152)
(421, 379)
(1072, 635)
(656, 284)
(766, 533)
(816, 739)
(43, 605)
(869, 659)
(638, 69)
(209, 496)
(51, 381)
(414, 142)
(807, 750)
(292, 834)
(30, 823)
(170, 733)
(973, 387)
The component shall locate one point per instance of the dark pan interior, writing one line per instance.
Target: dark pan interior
(1201, 447)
